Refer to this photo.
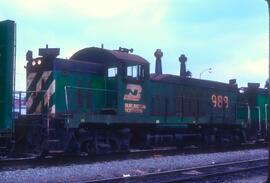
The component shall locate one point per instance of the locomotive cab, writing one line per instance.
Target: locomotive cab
(124, 74)
(121, 89)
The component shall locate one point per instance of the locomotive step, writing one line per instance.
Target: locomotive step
(54, 145)
(53, 140)
(52, 133)
(55, 152)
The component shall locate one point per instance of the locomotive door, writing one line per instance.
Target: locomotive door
(111, 88)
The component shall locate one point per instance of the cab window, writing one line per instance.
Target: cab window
(135, 72)
(112, 72)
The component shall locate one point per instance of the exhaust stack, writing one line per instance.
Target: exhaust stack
(158, 54)
(183, 71)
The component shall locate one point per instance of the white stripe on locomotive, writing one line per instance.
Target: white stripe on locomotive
(38, 108)
(53, 109)
(44, 77)
(30, 79)
(49, 93)
(29, 101)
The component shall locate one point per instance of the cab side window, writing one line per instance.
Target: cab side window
(135, 72)
(112, 72)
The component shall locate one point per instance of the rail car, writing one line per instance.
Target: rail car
(101, 101)
(7, 65)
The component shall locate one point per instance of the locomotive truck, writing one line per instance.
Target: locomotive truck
(102, 101)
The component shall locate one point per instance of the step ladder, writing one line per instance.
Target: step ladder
(6, 142)
(3, 150)
(55, 145)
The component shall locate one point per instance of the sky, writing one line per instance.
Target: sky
(229, 36)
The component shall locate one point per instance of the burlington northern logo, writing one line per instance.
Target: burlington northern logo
(133, 92)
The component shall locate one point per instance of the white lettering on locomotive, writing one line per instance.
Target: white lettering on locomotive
(134, 108)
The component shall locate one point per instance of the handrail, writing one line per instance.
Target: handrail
(259, 113)
(82, 88)
(266, 116)
(16, 93)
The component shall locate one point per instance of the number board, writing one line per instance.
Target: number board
(218, 101)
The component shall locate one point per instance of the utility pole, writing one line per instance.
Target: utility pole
(268, 177)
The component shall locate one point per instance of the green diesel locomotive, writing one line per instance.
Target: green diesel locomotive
(101, 101)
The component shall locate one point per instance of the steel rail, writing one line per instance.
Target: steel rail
(33, 161)
(191, 174)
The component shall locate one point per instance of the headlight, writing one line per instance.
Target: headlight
(39, 62)
(34, 63)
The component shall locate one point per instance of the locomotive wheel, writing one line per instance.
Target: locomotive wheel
(97, 145)
(89, 148)
(208, 138)
(123, 139)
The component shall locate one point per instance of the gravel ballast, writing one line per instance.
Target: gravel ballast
(75, 173)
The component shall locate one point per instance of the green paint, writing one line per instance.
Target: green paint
(7, 52)
(86, 93)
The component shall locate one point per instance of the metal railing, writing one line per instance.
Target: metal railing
(258, 110)
(21, 105)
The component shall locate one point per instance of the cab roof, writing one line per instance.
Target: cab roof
(108, 57)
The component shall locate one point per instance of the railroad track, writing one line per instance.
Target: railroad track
(34, 161)
(191, 174)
